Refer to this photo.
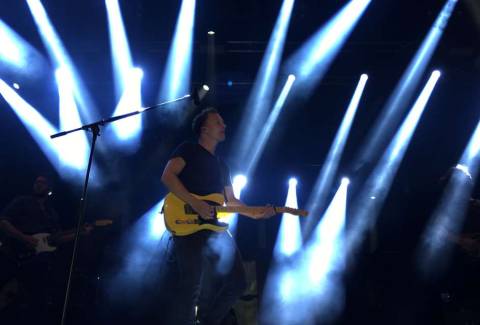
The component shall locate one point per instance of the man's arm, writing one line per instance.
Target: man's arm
(233, 201)
(172, 182)
(12, 231)
(230, 197)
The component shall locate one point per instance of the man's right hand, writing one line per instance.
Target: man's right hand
(205, 210)
(30, 241)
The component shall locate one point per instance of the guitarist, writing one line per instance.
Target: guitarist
(27, 215)
(30, 214)
(195, 168)
(24, 216)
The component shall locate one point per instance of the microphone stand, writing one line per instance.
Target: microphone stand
(95, 129)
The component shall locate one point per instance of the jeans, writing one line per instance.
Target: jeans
(210, 276)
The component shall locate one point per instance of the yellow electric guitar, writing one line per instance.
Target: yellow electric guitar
(181, 219)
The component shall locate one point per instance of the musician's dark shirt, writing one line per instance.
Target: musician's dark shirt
(203, 173)
(27, 215)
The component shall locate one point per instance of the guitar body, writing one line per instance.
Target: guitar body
(181, 219)
(43, 245)
(47, 243)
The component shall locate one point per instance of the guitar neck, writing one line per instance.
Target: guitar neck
(69, 235)
(257, 210)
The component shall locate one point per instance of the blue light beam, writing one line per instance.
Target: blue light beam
(73, 148)
(311, 61)
(289, 238)
(379, 182)
(260, 98)
(447, 219)
(119, 48)
(257, 149)
(131, 100)
(176, 80)
(38, 127)
(404, 90)
(59, 55)
(145, 256)
(238, 184)
(307, 287)
(17, 54)
(220, 244)
(324, 181)
(435, 251)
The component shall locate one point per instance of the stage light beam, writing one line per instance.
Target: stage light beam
(446, 222)
(261, 140)
(73, 148)
(129, 129)
(18, 57)
(312, 60)
(318, 197)
(38, 127)
(13, 49)
(59, 55)
(119, 48)
(289, 238)
(307, 287)
(260, 98)
(176, 80)
(379, 182)
(238, 184)
(399, 99)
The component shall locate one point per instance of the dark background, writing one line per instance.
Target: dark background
(381, 45)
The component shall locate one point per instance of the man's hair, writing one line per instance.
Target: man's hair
(200, 118)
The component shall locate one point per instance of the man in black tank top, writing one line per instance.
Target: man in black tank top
(194, 168)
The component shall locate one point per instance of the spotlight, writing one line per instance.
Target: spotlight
(463, 169)
(289, 237)
(345, 181)
(138, 72)
(16, 86)
(259, 101)
(128, 130)
(202, 92)
(260, 138)
(229, 83)
(239, 182)
(120, 49)
(326, 177)
(176, 79)
(61, 58)
(198, 93)
(211, 32)
(397, 103)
